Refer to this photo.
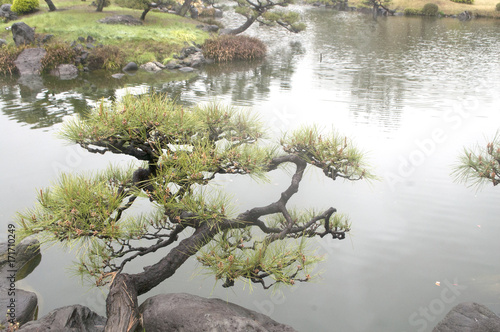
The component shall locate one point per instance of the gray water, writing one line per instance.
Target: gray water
(411, 92)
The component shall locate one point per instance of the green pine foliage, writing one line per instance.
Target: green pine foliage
(181, 150)
(478, 165)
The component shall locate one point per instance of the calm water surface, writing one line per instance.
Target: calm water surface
(411, 92)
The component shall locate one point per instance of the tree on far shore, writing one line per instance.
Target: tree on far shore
(181, 154)
(267, 12)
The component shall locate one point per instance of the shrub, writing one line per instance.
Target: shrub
(412, 12)
(230, 47)
(8, 54)
(24, 6)
(106, 57)
(498, 7)
(57, 54)
(468, 2)
(212, 21)
(430, 9)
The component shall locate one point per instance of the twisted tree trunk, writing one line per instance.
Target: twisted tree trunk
(52, 7)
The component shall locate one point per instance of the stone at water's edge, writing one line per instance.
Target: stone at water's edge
(29, 62)
(22, 33)
(469, 317)
(26, 304)
(65, 71)
(24, 253)
(14, 265)
(131, 66)
(184, 312)
(75, 318)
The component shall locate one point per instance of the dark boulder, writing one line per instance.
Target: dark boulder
(465, 16)
(74, 318)
(185, 312)
(131, 66)
(121, 19)
(7, 13)
(25, 256)
(25, 305)
(22, 33)
(469, 317)
(29, 62)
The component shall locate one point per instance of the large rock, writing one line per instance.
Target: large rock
(65, 71)
(121, 19)
(74, 318)
(469, 317)
(15, 264)
(184, 313)
(465, 16)
(29, 62)
(22, 33)
(23, 258)
(131, 66)
(7, 13)
(17, 305)
(151, 67)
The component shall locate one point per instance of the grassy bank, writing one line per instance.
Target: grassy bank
(161, 35)
(480, 7)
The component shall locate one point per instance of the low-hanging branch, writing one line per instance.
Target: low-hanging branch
(184, 151)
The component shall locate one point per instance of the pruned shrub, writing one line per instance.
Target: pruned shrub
(230, 47)
(498, 7)
(430, 9)
(57, 54)
(24, 6)
(412, 12)
(106, 57)
(468, 2)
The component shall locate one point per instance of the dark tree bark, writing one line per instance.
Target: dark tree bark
(184, 8)
(143, 15)
(241, 28)
(121, 303)
(100, 5)
(52, 7)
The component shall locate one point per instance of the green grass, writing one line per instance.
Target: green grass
(161, 35)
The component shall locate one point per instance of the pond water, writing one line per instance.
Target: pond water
(411, 92)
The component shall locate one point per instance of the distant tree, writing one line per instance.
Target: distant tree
(183, 151)
(480, 165)
(267, 12)
(376, 4)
